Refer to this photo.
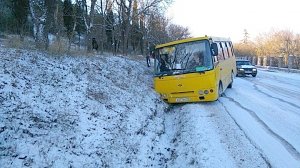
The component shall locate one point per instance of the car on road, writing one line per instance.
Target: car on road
(244, 67)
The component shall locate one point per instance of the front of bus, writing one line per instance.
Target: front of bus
(184, 71)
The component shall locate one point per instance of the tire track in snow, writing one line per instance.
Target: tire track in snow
(289, 147)
(256, 84)
(172, 135)
(281, 90)
(278, 79)
(279, 99)
(238, 125)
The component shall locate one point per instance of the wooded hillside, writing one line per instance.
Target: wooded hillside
(119, 26)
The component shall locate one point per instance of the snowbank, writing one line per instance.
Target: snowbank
(77, 111)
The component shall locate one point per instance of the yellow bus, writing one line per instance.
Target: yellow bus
(194, 69)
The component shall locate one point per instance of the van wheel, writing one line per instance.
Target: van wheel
(220, 90)
(232, 76)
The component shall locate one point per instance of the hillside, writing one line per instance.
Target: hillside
(64, 111)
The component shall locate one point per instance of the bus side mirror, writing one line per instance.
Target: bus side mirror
(214, 49)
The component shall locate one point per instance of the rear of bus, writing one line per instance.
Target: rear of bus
(187, 71)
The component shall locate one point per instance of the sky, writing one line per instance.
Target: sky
(231, 17)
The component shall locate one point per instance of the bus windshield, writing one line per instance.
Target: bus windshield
(184, 58)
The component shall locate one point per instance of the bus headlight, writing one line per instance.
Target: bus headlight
(254, 69)
(200, 92)
(241, 69)
(163, 96)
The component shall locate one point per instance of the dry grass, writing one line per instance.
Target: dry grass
(14, 41)
(61, 47)
(57, 47)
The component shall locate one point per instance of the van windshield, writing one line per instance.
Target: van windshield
(184, 58)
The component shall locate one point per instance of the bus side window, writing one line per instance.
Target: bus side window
(228, 49)
(221, 52)
(232, 50)
(225, 50)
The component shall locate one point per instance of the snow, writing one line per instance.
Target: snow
(102, 111)
(76, 111)
(269, 116)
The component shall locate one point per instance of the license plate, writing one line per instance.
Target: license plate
(185, 99)
(248, 71)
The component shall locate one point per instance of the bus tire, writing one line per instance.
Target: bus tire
(232, 76)
(220, 89)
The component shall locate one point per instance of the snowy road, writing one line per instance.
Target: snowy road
(270, 108)
(255, 124)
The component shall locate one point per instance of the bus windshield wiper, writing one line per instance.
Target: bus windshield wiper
(165, 73)
(175, 69)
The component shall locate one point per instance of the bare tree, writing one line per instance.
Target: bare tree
(88, 17)
(177, 32)
(110, 26)
(157, 29)
(69, 21)
(125, 7)
(246, 36)
(38, 12)
(20, 11)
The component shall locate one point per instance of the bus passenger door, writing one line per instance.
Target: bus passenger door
(227, 64)
(221, 66)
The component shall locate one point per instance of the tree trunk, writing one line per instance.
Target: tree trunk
(40, 35)
(39, 17)
(89, 23)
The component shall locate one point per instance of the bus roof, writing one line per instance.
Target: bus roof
(190, 40)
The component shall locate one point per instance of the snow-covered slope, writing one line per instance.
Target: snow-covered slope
(77, 111)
